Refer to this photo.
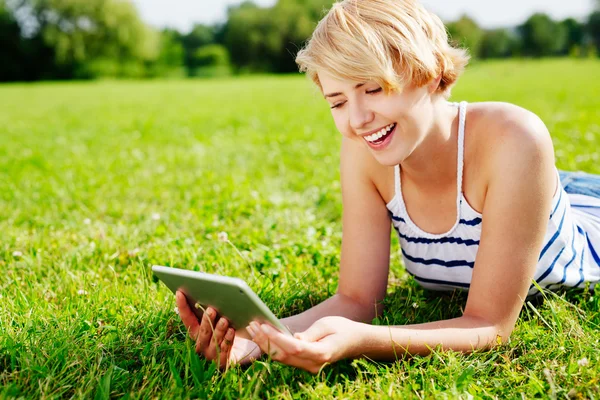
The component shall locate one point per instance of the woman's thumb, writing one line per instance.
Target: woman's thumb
(315, 332)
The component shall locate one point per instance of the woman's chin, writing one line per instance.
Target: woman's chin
(389, 158)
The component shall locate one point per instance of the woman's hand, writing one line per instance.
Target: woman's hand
(215, 339)
(328, 340)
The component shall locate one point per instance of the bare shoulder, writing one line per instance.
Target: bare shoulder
(357, 164)
(355, 156)
(504, 134)
(505, 121)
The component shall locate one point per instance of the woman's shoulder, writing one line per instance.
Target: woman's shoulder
(506, 132)
(499, 122)
(504, 138)
(357, 163)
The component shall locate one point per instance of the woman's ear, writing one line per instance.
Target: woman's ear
(434, 84)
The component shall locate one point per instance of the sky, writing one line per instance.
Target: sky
(182, 14)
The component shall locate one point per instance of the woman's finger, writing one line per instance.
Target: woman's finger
(311, 364)
(225, 346)
(315, 332)
(213, 350)
(187, 316)
(259, 337)
(206, 330)
(220, 331)
(295, 347)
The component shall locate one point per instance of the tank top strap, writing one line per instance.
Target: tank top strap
(397, 192)
(462, 112)
(462, 117)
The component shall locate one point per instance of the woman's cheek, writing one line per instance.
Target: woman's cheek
(343, 129)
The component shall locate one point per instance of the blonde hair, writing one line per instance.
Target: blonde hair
(393, 42)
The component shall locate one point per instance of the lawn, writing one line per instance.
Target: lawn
(101, 180)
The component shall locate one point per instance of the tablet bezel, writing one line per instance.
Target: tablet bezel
(231, 297)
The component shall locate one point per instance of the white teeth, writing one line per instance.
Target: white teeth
(378, 135)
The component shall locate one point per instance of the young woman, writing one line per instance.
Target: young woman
(471, 189)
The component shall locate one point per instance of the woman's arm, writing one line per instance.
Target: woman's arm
(365, 253)
(363, 268)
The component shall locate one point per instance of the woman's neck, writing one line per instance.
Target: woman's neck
(433, 161)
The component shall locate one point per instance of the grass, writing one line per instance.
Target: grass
(99, 181)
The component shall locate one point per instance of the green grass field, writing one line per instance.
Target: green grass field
(101, 180)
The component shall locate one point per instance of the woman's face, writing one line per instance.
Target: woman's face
(391, 126)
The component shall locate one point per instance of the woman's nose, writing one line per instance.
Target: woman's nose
(360, 116)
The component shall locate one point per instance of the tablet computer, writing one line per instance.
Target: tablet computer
(231, 297)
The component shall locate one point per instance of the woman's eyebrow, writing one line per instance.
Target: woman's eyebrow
(338, 93)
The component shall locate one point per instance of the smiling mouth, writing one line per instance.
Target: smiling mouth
(380, 136)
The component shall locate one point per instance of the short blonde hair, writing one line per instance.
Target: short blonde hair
(393, 42)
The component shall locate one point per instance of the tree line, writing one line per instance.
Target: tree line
(74, 39)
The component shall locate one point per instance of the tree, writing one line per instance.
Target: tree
(10, 46)
(593, 28)
(267, 39)
(466, 33)
(170, 61)
(293, 26)
(542, 36)
(498, 43)
(249, 39)
(212, 60)
(200, 35)
(575, 33)
(90, 37)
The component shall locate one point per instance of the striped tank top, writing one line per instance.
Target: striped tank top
(570, 254)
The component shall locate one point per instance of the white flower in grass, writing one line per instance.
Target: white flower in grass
(17, 254)
(223, 237)
(584, 362)
(155, 216)
(133, 253)
(415, 305)
(82, 292)
(176, 309)
(87, 221)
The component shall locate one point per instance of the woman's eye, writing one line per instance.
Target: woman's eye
(337, 105)
(374, 91)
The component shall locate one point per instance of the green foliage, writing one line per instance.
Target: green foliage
(90, 37)
(211, 55)
(247, 37)
(65, 39)
(211, 61)
(542, 36)
(267, 39)
(10, 45)
(466, 33)
(200, 36)
(575, 32)
(498, 43)
(170, 62)
(593, 28)
(98, 181)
